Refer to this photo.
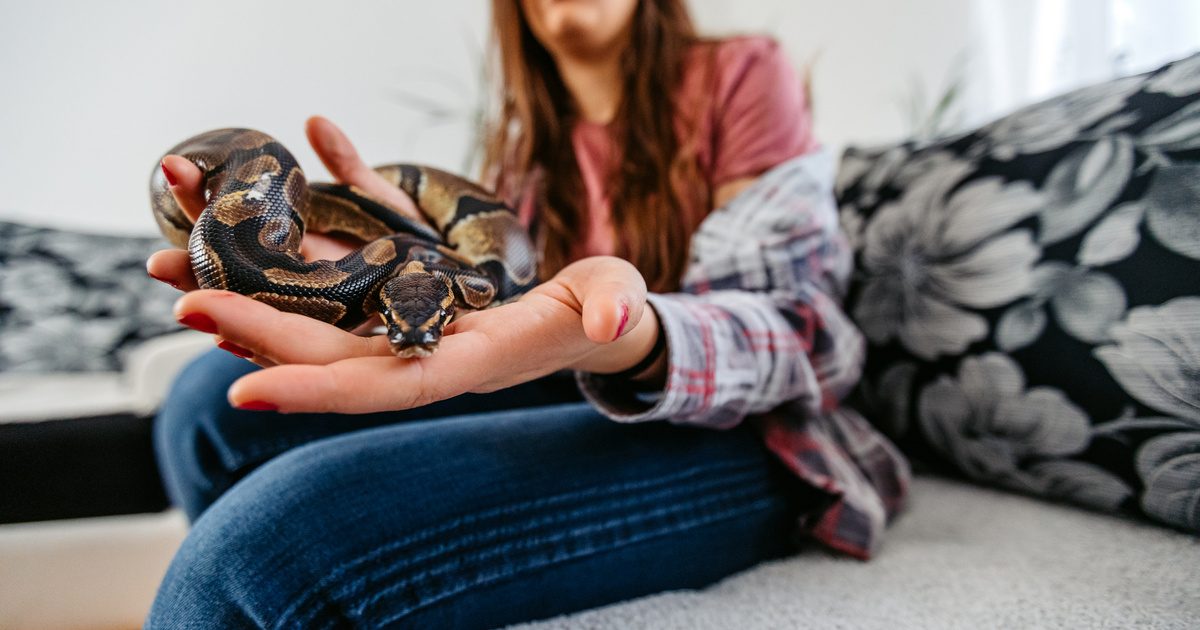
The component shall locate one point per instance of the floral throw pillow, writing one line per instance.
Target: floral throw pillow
(1031, 295)
(73, 302)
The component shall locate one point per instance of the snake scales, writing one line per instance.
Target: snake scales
(414, 277)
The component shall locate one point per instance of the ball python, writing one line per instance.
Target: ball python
(414, 277)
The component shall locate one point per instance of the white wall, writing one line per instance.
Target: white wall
(91, 93)
(94, 92)
(866, 56)
(1026, 50)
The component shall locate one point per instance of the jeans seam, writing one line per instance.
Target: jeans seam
(302, 602)
(502, 550)
(760, 504)
(499, 536)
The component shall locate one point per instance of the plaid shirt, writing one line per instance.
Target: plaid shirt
(758, 333)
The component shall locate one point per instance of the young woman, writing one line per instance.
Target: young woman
(692, 270)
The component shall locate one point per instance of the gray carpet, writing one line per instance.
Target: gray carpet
(961, 557)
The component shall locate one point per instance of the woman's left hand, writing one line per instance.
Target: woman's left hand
(591, 316)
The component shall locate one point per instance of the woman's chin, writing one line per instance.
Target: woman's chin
(583, 28)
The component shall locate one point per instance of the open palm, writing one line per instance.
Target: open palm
(589, 317)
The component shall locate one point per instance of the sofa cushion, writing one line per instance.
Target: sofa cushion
(1031, 295)
(78, 444)
(960, 557)
(72, 301)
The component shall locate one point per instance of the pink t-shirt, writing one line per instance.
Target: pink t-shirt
(757, 118)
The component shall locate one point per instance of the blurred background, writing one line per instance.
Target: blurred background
(93, 93)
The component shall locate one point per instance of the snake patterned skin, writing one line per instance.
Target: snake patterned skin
(414, 277)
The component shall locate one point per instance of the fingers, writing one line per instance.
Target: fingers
(363, 385)
(352, 386)
(270, 336)
(238, 351)
(173, 267)
(611, 294)
(341, 158)
(186, 182)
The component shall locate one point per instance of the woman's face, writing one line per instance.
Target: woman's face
(580, 28)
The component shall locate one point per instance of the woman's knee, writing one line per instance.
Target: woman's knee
(217, 578)
(271, 548)
(393, 524)
(194, 432)
(294, 540)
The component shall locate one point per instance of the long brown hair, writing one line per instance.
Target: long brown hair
(655, 190)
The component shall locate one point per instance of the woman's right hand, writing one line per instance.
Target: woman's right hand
(173, 266)
(591, 316)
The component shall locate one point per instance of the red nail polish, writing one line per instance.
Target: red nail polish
(167, 174)
(624, 320)
(257, 405)
(235, 349)
(170, 282)
(199, 321)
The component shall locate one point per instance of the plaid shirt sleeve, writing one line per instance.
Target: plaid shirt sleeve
(758, 332)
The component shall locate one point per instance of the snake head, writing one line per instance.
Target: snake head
(415, 307)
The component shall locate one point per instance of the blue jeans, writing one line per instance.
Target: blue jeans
(480, 511)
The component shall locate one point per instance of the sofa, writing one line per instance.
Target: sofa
(1030, 295)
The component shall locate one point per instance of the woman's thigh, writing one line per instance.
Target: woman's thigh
(204, 445)
(479, 521)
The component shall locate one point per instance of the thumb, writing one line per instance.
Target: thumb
(610, 293)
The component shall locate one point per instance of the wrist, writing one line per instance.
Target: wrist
(642, 368)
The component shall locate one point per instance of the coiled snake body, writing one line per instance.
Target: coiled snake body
(247, 240)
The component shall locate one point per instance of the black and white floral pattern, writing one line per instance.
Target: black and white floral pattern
(1031, 294)
(938, 252)
(73, 302)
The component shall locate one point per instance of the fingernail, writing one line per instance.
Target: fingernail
(624, 320)
(199, 321)
(170, 282)
(257, 405)
(166, 173)
(235, 349)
